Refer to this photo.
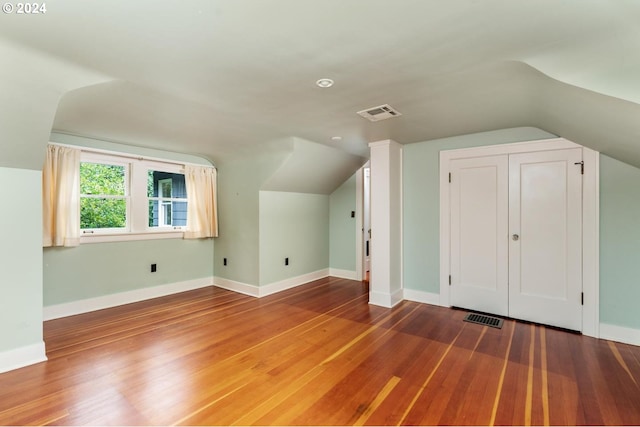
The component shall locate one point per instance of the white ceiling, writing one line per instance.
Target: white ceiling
(222, 77)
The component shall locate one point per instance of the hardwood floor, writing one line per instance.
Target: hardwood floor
(316, 355)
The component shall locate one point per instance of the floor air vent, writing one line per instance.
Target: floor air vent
(481, 319)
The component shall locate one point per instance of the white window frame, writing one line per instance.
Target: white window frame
(115, 161)
(160, 167)
(137, 227)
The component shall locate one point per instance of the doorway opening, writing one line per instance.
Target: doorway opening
(363, 225)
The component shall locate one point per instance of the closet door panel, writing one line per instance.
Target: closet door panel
(479, 228)
(545, 249)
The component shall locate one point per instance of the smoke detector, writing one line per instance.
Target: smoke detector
(381, 112)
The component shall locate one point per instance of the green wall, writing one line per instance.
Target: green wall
(239, 184)
(20, 258)
(421, 200)
(619, 243)
(254, 195)
(342, 228)
(293, 225)
(30, 88)
(98, 269)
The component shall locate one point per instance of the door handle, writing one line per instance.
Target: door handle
(515, 237)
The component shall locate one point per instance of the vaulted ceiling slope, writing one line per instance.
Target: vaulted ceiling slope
(219, 78)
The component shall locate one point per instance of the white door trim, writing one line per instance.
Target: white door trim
(359, 224)
(590, 215)
(591, 243)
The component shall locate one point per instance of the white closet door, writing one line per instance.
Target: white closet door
(545, 242)
(479, 234)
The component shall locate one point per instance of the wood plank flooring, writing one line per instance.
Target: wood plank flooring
(315, 355)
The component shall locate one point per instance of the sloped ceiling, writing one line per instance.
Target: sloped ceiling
(220, 77)
(313, 168)
(29, 99)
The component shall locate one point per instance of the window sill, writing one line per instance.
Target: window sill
(129, 237)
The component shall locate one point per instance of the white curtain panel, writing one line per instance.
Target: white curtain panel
(61, 197)
(202, 211)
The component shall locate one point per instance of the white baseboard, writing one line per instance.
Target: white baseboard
(113, 300)
(343, 274)
(384, 299)
(23, 356)
(421, 296)
(271, 288)
(292, 282)
(232, 285)
(620, 334)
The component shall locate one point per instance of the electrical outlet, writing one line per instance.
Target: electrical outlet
(154, 268)
(224, 261)
(286, 261)
(353, 214)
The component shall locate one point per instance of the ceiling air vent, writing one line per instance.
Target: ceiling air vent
(381, 112)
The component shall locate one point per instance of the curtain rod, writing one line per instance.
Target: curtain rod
(129, 155)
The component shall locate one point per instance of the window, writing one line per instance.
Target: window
(103, 196)
(122, 196)
(167, 194)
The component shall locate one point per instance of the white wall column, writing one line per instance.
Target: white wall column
(386, 223)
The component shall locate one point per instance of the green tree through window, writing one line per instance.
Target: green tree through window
(103, 201)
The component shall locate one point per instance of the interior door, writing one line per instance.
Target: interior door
(479, 234)
(545, 242)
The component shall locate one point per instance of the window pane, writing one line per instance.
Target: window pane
(164, 213)
(153, 213)
(179, 212)
(102, 179)
(163, 188)
(103, 213)
(166, 184)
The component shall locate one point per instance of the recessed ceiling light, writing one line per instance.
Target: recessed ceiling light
(324, 83)
(336, 138)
